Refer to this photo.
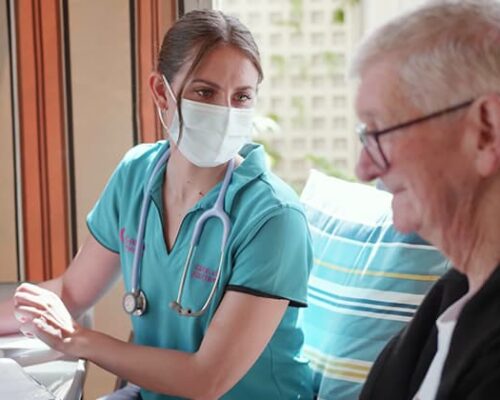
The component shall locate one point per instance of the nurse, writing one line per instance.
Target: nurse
(244, 343)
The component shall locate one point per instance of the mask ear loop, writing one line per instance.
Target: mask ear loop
(160, 111)
(160, 115)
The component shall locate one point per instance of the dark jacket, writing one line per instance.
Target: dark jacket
(472, 367)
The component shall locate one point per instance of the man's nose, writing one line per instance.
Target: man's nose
(366, 169)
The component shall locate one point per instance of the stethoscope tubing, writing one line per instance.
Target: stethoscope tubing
(146, 201)
(217, 211)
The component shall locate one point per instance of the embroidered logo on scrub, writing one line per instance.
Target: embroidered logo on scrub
(203, 274)
(128, 242)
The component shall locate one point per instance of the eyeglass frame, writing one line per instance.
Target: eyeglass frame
(364, 134)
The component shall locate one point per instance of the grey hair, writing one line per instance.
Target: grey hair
(446, 52)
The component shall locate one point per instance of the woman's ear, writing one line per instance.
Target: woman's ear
(486, 116)
(158, 90)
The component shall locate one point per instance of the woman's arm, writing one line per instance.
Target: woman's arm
(93, 270)
(90, 275)
(239, 332)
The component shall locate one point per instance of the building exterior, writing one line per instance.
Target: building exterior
(305, 47)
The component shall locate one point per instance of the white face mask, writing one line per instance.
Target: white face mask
(211, 134)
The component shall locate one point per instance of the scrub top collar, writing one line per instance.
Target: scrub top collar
(252, 166)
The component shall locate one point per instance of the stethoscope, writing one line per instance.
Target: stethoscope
(134, 302)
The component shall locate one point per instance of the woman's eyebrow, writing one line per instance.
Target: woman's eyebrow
(210, 83)
(215, 85)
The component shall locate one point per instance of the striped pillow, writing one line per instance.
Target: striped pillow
(366, 283)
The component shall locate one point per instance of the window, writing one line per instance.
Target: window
(318, 102)
(277, 102)
(317, 17)
(298, 143)
(317, 38)
(340, 163)
(340, 144)
(340, 61)
(297, 102)
(297, 60)
(254, 18)
(297, 81)
(339, 101)
(276, 39)
(317, 59)
(318, 81)
(275, 18)
(339, 123)
(297, 38)
(318, 123)
(298, 123)
(278, 144)
(338, 81)
(277, 82)
(338, 38)
(298, 164)
(319, 143)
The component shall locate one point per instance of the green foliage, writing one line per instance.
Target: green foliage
(332, 60)
(274, 156)
(296, 17)
(297, 7)
(338, 16)
(324, 166)
(275, 117)
(330, 57)
(291, 23)
(304, 72)
(299, 104)
(279, 62)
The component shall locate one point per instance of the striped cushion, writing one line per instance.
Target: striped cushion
(366, 283)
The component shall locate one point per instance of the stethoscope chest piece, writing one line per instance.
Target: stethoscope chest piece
(134, 303)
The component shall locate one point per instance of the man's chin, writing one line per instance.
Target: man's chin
(403, 213)
(403, 225)
(403, 229)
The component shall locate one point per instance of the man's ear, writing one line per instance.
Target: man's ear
(158, 90)
(485, 114)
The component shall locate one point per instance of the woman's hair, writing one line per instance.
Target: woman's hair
(195, 35)
(454, 44)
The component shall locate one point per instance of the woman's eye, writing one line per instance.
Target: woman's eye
(243, 97)
(205, 93)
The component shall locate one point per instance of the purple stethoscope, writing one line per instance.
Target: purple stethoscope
(134, 301)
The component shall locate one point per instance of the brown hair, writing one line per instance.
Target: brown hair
(196, 34)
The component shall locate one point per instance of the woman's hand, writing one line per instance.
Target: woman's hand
(43, 314)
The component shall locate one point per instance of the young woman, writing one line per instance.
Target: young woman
(213, 297)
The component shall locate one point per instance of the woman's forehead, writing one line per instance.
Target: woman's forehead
(227, 66)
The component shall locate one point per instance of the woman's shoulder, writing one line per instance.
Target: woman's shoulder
(143, 153)
(137, 162)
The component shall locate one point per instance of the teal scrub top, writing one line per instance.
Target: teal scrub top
(268, 253)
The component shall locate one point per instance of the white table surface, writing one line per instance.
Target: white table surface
(62, 376)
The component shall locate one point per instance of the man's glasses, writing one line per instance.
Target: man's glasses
(371, 141)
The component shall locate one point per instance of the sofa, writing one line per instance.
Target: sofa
(366, 283)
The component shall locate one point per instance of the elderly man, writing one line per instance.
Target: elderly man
(429, 102)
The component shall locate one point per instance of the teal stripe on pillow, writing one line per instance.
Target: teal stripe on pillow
(367, 281)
